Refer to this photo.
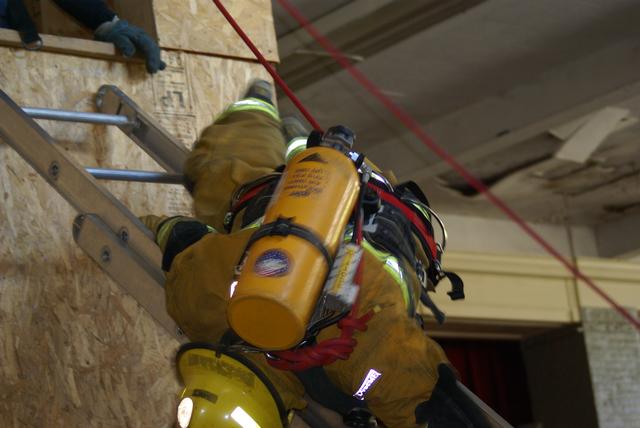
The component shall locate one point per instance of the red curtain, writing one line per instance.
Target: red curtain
(495, 372)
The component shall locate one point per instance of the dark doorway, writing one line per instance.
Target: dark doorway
(495, 372)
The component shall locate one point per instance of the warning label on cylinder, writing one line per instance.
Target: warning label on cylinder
(305, 182)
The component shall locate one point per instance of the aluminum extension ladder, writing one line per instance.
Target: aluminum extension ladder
(105, 229)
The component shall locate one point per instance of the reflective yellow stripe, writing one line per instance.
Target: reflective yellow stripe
(391, 265)
(254, 224)
(162, 235)
(251, 104)
(294, 147)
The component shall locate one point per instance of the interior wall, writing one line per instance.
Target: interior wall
(613, 351)
(502, 236)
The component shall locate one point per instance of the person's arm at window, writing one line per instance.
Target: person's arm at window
(3, 14)
(14, 15)
(91, 13)
(107, 27)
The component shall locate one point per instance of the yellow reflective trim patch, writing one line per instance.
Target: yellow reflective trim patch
(251, 104)
(162, 236)
(254, 224)
(392, 267)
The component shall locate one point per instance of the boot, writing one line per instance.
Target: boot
(293, 128)
(260, 89)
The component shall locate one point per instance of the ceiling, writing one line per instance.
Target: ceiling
(539, 99)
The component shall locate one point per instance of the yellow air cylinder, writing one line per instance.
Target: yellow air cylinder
(282, 276)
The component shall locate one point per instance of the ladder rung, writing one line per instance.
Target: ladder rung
(77, 116)
(133, 175)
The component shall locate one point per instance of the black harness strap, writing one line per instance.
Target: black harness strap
(457, 286)
(437, 313)
(245, 197)
(319, 387)
(284, 227)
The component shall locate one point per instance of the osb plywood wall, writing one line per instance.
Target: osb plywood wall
(180, 24)
(74, 349)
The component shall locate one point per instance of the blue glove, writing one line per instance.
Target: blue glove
(127, 38)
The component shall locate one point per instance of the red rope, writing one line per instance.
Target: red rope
(326, 352)
(415, 127)
(268, 66)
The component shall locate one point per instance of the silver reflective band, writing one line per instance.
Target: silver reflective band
(294, 146)
(185, 410)
(243, 418)
(369, 380)
(252, 102)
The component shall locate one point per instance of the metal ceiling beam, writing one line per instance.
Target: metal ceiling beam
(603, 78)
(362, 28)
(289, 43)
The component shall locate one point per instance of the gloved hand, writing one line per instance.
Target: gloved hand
(175, 234)
(127, 38)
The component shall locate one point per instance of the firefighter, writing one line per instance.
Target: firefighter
(395, 373)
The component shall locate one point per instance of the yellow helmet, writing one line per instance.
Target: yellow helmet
(224, 389)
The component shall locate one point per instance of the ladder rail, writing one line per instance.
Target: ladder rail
(84, 193)
(125, 267)
(494, 419)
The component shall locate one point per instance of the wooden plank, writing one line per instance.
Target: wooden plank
(69, 46)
